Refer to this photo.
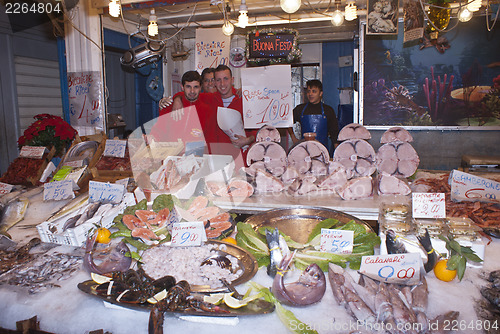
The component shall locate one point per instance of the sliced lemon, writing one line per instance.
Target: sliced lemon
(159, 296)
(232, 302)
(214, 298)
(100, 279)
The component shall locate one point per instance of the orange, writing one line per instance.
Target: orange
(230, 240)
(443, 273)
(103, 235)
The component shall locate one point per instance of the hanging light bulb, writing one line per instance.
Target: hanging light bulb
(464, 15)
(350, 11)
(290, 6)
(243, 18)
(228, 28)
(337, 18)
(114, 8)
(474, 5)
(153, 24)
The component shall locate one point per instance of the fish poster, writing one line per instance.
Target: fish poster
(267, 96)
(85, 102)
(453, 81)
(212, 48)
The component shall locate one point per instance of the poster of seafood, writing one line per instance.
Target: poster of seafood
(85, 102)
(453, 81)
(382, 18)
(211, 48)
(267, 96)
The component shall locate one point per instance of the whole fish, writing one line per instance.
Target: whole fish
(118, 260)
(432, 257)
(75, 204)
(309, 288)
(394, 246)
(275, 254)
(88, 213)
(12, 214)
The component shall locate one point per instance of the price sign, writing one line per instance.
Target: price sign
(105, 192)
(115, 148)
(34, 152)
(336, 241)
(188, 234)
(428, 205)
(58, 190)
(5, 188)
(74, 163)
(393, 268)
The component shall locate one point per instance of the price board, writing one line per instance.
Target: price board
(58, 190)
(34, 152)
(105, 192)
(115, 148)
(336, 241)
(428, 205)
(188, 234)
(393, 268)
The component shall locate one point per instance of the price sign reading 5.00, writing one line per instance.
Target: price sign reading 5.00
(336, 241)
(188, 234)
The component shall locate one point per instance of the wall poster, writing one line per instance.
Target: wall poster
(85, 102)
(453, 81)
(382, 18)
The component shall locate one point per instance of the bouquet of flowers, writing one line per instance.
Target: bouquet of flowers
(48, 130)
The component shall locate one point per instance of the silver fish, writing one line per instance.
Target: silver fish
(274, 251)
(394, 246)
(71, 222)
(309, 288)
(12, 214)
(88, 213)
(75, 204)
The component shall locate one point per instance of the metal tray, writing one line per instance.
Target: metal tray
(298, 222)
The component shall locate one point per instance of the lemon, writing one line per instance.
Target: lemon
(232, 302)
(103, 235)
(230, 240)
(214, 298)
(159, 296)
(100, 279)
(443, 273)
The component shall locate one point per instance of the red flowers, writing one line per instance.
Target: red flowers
(48, 130)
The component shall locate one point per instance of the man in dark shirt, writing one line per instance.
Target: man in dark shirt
(315, 116)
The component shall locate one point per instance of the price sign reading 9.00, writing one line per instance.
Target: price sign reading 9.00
(188, 234)
(393, 268)
(336, 241)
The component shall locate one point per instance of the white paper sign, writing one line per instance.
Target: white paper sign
(336, 241)
(188, 234)
(105, 192)
(115, 148)
(34, 152)
(212, 48)
(429, 205)
(58, 190)
(468, 187)
(5, 188)
(393, 268)
(74, 163)
(267, 96)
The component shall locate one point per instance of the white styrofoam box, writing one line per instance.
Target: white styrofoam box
(413, 246)
(77, 236)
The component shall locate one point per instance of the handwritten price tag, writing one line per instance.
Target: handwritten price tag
(336, 241)
(5, 188)
(105, 192)
(428, 205)
(58, 190)
(34, 152)
(188, 234)
(115, 148)
(393, 268)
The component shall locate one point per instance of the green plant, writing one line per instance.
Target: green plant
(458, 256)
(48, 130)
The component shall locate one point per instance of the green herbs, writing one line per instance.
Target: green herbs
(459, 255)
